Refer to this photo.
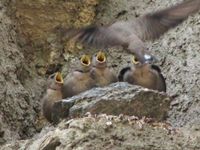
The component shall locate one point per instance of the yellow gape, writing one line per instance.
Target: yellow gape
(85, 60)
(101, 57)
(58, 77)
(135, 60)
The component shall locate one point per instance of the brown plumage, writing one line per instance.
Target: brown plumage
(133, 33)
(53, 94)
(80, 80)
(145, 75)
(100, 72)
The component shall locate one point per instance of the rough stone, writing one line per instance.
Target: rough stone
(118, 98)
(110, 133)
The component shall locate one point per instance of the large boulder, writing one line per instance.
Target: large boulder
(118, 98)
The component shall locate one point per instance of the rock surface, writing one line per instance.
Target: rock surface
(178, 52)
(118, 98)
(29, 50)
(110, 133)
(18, 110)
(36, 22)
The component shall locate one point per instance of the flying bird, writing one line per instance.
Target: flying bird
(145, 75)
(132, 34)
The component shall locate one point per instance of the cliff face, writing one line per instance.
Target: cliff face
(30, 50)
(16, 104)
(36, 22)
(177, 52)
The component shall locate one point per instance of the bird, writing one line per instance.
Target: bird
(146, 75)
(53, 94)
(79, 80)
(133, 33)
(100, 72)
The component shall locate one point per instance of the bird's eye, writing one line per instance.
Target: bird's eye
(135, 60)
(52, 76)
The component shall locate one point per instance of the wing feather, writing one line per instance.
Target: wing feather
(151, 26)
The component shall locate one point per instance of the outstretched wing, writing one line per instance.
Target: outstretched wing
(99, 37)
(153, 25)
(147, 27)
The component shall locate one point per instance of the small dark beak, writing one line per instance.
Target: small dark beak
(150, 59)
(145, 57)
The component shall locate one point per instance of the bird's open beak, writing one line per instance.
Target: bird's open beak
(134, 60)
(58, 77)
(85, 60)
(101, 57)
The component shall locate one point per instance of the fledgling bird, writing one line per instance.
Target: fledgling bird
(132, 34)
(53, 94)
(80, 80)
(100, 72)
(145, 75)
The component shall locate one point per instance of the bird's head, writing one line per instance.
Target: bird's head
(144, 57)
(85, 63)
(146, 65)
(85, 60)
(99, 59)
(139, 66)
(55, 81)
